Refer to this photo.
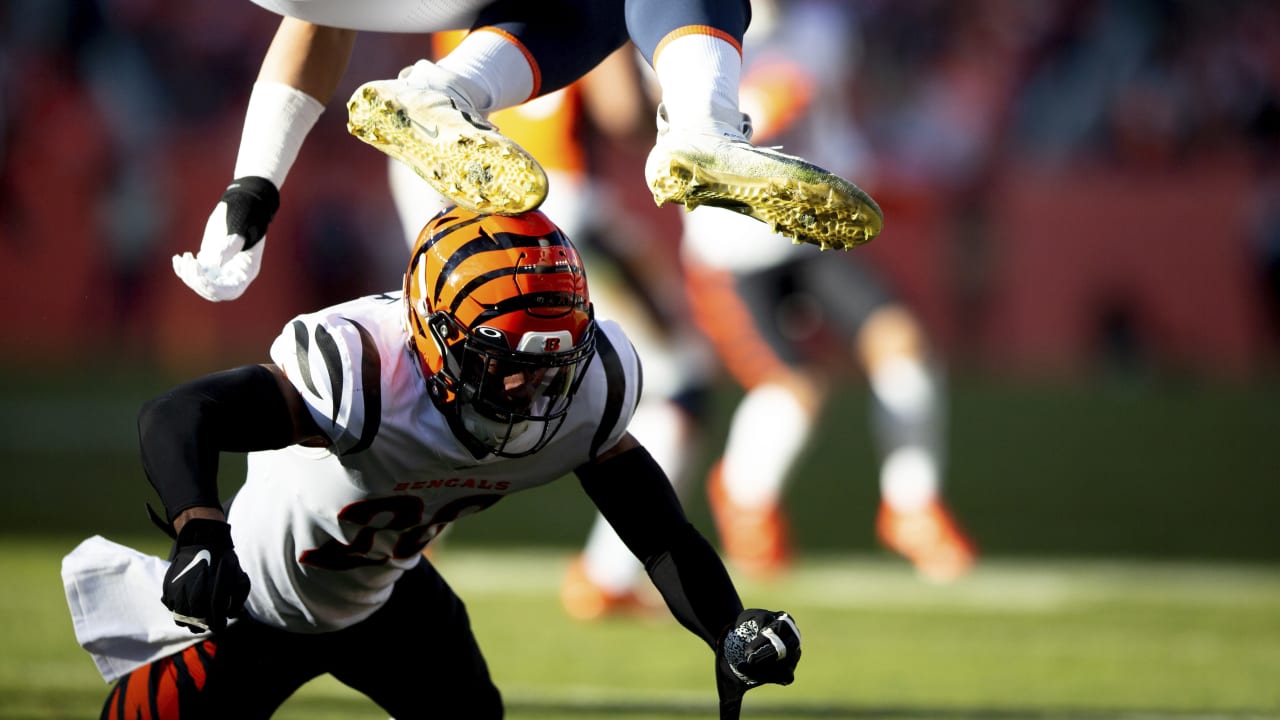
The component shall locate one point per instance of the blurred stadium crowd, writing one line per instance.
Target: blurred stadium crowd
(1067, 183)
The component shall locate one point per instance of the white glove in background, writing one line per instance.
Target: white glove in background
(222, 270)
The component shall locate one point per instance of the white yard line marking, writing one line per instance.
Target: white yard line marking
(860, 582)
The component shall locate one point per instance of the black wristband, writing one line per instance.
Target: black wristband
(252, 203)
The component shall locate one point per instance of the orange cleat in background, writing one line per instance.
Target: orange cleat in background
(756, 541)
(930, 538)
(585, 600)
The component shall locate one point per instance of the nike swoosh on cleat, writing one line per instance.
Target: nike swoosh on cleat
(431, 131)
(774, 155)
(202, 556)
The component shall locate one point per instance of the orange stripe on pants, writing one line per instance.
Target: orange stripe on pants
(731, 327)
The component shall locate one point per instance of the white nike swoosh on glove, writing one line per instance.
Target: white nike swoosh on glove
(202, 556)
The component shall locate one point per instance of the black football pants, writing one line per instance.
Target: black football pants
(416, 657)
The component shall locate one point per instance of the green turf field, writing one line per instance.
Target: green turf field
(1093, 639)
(1131, 565)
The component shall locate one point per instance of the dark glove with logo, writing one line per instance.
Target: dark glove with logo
(204, 584)
(763, 647)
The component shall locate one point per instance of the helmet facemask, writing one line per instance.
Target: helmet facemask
(510, 401)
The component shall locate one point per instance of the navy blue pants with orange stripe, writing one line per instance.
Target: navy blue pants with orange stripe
(766, 322)
(416, 657)
(584, 32)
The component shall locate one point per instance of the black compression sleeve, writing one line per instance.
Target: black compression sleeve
(634, 495)
(182, 432)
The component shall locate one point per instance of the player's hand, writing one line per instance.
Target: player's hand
(762, 647)
(231, 251)
(204, 585)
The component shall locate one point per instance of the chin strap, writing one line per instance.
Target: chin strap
(477, 449)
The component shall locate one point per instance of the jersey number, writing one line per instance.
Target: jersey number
(400, 514)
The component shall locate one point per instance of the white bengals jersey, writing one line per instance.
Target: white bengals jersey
(323, 534)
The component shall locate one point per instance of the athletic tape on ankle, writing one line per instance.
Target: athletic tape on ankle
(275, 124)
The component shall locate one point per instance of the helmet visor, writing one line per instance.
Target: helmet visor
(513, 401)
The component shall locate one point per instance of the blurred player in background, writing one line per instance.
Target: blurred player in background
(433, 116)
(766, 306)
(631, 283)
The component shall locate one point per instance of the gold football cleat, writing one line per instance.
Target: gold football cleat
(449, 145)
(797, 199)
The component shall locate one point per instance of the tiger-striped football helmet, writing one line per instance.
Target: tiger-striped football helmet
(499, 314)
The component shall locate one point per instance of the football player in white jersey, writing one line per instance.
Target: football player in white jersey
(432, 117)
(378, 422)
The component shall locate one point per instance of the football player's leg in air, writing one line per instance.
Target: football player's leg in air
(433, 116)
(605, 578)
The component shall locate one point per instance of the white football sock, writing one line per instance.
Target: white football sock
(607, 562)
(664, 431)
(907, 417)
(699, 75)
(663, 428)
(494, 70)
(909, 479)
(904, 387)
(768, 431)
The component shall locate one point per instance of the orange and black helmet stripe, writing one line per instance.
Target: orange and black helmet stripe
(501, 247)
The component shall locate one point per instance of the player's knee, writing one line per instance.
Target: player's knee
(888, 333)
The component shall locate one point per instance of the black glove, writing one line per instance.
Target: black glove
(762, 647)
(204, 584)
